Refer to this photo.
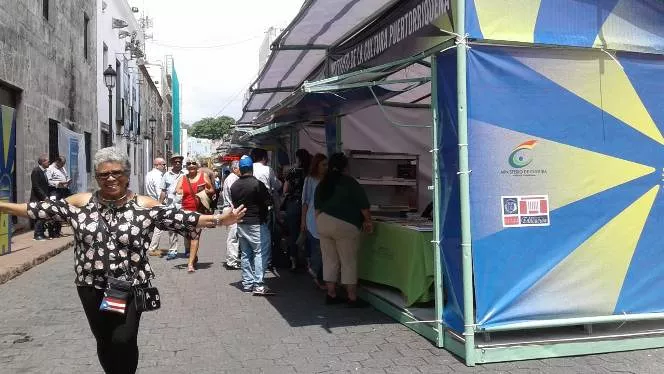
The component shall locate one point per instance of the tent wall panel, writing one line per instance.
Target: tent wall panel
(565, 184)
(368, 129)
(449, 215)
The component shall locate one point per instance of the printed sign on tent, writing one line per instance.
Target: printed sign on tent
(525, 211)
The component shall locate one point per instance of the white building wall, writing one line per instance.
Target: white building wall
(198, 147)
(184, 142)
(128, 78)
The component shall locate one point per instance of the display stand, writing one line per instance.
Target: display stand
(390, 179)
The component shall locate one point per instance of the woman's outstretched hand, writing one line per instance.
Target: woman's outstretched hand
(234, 216)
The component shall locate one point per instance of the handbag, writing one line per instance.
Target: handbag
(203, 201)
(116, 294)
(146, 298)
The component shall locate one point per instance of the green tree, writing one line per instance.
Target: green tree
(211, 128)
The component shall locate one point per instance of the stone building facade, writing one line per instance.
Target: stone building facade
(48, 57)
(151, 104)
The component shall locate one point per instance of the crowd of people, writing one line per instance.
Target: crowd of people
(315, 205)
(322, 208)
(306, 218)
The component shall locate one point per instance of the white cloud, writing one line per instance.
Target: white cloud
(213, 78)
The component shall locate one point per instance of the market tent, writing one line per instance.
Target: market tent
(548, 135)
(302, 48)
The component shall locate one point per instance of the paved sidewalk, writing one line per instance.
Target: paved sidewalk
(207, 325)
(27, 253)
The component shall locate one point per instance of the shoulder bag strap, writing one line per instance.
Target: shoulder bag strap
(102, 222)
(193, 193)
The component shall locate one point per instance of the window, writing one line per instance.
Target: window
(105, 56)
(88, 151)
(106, 139)
(53, 140)
(86, 28)
(45, 9)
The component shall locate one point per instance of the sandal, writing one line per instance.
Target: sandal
(191, 268)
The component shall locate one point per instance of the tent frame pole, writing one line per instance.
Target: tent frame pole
(435, 152)
(464, 184)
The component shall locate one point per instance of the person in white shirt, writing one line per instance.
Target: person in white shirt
(167, 197)
(153, 189)
(263, 172)
(58, 182)
(232, 243)
(266, 175)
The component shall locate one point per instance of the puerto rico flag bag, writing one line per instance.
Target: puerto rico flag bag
(116, 295)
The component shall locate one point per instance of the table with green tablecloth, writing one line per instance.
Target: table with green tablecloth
(400, 257)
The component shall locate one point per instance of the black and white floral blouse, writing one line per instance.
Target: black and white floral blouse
(131, 227)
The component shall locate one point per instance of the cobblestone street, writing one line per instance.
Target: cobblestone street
(207, 325)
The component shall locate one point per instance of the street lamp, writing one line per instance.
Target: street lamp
(167, 138)
(109, 81)
(152, 121)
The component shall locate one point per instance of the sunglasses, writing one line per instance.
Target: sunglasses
(115, 174)
(191, 163)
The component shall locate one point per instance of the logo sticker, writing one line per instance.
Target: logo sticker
(522, 155)
(524, 211)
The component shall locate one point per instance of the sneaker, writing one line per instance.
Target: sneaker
(248, 290)
(231, 267)
(171, 256)
(39, 238)
(263, 291)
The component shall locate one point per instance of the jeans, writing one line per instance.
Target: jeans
(315, 257)
(293, 220)
(255, 247)
(232, 246)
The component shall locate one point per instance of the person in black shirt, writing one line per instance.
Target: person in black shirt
(39, 192)
(293, 202)
(253, 232)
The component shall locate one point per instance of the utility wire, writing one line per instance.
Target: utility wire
(230, 101)
(212, 46)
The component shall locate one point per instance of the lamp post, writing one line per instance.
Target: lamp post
(167, 138)
(109, 81)
(152, 121)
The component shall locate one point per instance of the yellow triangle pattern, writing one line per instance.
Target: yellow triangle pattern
(572, 173)
(508, 19)
(7, 117)
(621, 101)
(619, 32)
(578, 173)
(605, 86)
(592, 276)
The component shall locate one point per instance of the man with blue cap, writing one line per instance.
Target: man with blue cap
(253, 232)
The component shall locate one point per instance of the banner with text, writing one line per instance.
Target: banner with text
(412, 27)
(566, 202)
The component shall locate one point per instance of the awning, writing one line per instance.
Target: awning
(302, 47)
(271, 128)
(406, 81)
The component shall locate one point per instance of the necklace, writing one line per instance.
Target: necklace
(113, 200)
